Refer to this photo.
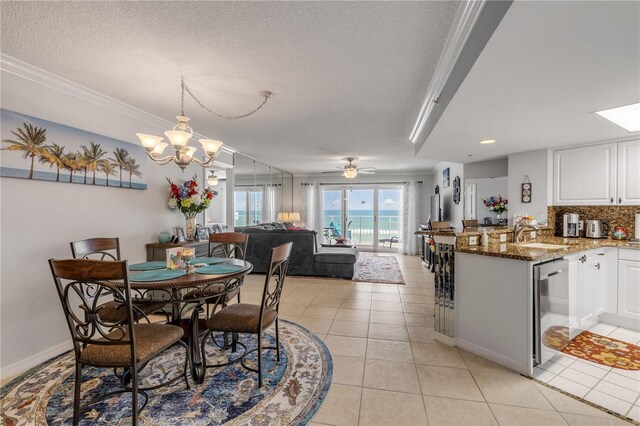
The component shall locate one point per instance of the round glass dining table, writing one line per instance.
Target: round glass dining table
(187, 294)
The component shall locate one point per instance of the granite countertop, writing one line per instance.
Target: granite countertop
(518, 252)
(490, 230)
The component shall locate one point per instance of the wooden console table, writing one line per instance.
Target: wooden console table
(158, 251)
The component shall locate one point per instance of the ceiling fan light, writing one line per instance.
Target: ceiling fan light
(350, 172)
(210, 146)
(212, 180)
(149, 142)
(178, 138)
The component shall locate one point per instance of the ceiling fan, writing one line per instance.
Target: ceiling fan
(350, 170)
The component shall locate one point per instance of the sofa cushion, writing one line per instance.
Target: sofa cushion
(343, 255)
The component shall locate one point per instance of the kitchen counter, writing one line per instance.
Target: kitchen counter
(519, 252)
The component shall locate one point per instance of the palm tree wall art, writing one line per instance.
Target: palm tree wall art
(43, 150)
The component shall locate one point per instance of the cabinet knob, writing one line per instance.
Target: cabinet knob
(611, 199)
(619, 200)
(597, 265)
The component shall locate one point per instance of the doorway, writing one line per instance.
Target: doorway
(369, 216)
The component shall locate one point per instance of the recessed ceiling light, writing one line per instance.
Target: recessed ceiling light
(627, 117)
(487, 141)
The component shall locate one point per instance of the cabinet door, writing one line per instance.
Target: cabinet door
(585, 176)
(574, 314)
(629, 289)
(591, 290)
(629, 173)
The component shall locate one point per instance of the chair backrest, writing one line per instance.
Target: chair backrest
(471, 223)
(71, 276)
(274, 281)
(440, 225)
(229, 245)
(96, 248)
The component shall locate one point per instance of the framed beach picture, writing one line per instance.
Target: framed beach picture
(38, 149)
(445, 178)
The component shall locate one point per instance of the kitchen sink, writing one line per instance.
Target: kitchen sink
(544, 246)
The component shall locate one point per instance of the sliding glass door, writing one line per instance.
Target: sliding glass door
(368, 216)
(248, 206)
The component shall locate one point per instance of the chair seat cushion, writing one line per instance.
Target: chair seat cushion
(241, 318)
(151, 339)
(113, 311)
(336, 255)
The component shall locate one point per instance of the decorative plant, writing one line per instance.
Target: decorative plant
(498, 205)
(186, 198)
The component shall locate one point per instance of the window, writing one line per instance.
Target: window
(247, 206)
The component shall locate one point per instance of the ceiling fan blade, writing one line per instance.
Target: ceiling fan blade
(333, 172)
(367, 172)
(367, 169)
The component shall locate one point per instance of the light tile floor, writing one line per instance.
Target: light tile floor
(389, 371)
(612, 388)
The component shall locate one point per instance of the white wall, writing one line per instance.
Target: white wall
(39, 219)
(487, 169)
(538, 166)
(451, 212)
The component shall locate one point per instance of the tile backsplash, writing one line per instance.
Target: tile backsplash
(615, 215)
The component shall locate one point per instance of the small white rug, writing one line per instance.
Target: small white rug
(375, 268)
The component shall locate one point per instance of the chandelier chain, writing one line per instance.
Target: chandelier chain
(185, 88)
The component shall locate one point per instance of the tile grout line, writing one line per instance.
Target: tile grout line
(478, 386)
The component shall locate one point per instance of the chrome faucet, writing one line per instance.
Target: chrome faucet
(519, 227)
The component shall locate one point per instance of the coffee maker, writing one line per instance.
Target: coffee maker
(570, 225)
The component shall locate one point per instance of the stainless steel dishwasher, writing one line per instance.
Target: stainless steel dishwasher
(550, 309)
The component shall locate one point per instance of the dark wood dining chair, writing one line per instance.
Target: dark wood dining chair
(109, 344)
(232, 245)
(470, 224)
(109, 249)
(244, 318)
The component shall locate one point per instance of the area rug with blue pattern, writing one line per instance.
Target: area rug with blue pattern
(292, 392)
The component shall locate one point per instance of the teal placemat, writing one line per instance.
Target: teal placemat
(147, 266)
(158, 275)
(219, 269)
(208, 260)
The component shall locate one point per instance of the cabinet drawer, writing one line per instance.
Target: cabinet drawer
(629, 254)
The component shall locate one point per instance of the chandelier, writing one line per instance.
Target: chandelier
(181, 133)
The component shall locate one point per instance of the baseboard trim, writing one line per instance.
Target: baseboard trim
(493, 356)
(620, 321)
(30, 362)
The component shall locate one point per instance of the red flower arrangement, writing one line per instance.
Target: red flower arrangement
(498, 205)
(186, 198)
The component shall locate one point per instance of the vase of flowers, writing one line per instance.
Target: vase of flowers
(497, 205)
(186, 198)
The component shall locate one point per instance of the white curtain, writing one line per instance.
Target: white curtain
(310, 209)
(318, 225)
(270, 202)
(410, 217)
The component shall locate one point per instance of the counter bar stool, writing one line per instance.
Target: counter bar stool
(109, 249)
(109, 344)
(255, 319)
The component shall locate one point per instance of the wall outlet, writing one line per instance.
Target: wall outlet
(473, 241)
(532, 235)
(503, 238)
(581, 225)
(503, 247)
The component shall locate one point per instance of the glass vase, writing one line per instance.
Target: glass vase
(190, 228)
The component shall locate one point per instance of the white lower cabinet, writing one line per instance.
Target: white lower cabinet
(629, 289)
(592, 287)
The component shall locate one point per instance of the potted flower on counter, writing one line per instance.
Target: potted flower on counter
(497, 205)
(186, 199)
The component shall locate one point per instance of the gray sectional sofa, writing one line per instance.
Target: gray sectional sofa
(306, 259)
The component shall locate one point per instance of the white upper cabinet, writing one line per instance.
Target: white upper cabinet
(585, 176)
(629, 173)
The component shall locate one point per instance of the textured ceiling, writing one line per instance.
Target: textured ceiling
(349, 77)
(547, 68)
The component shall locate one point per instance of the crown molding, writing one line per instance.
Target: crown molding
(45, 78)
(463, 23)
